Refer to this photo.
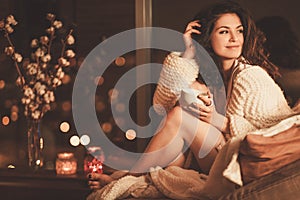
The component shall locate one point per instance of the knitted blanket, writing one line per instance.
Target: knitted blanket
(178, 183)
(172, 182)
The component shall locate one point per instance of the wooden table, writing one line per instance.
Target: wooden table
(42, 185)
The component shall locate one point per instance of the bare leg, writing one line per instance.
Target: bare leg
(167, 145)
(178, 128)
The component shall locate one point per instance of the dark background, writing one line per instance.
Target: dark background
(93, 21)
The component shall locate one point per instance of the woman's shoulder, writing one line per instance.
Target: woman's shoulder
(251, 71)
(253, 76)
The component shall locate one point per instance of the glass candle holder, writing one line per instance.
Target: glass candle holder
(66, 164)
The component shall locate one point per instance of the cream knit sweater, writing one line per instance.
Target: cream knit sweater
(255, 100)
(177, 73)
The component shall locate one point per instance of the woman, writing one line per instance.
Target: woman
(254, 100)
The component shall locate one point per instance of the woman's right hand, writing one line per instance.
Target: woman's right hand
(97, 181)
(188, 41)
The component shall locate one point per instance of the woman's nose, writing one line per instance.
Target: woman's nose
(233, 37)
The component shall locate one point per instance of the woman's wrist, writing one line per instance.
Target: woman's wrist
(220, 122)
(189, 53)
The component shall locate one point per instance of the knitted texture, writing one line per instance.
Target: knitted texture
(172, 182)
(256, 101)
(177, 73)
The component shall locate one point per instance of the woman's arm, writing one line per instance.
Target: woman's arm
(256, 102)
(179, 71)
(190, 50)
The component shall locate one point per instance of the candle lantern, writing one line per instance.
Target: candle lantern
(66, 164)
(93, 161)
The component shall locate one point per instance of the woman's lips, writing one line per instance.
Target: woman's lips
(233, 47)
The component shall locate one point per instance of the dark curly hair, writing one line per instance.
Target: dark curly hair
(282, 41)
(253, 48)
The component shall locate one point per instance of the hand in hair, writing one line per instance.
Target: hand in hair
(188, 41)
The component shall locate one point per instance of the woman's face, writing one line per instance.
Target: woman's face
(227, 37)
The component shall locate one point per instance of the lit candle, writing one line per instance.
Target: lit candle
(66, 164)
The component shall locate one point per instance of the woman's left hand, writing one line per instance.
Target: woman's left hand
(204, 111)
(207, 113)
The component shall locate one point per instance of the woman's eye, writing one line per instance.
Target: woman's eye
(241, 31)
(223, 32)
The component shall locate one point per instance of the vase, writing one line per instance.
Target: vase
(35, 145)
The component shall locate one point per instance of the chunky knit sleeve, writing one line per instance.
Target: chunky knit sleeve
(256, 102)
(177, 73)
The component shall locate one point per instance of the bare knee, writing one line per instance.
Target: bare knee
(171, 122)
(174, 116)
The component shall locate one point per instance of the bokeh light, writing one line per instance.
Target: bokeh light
(74, 140)
(85, 140)
(113, 94)
(120, 61)
(5, 120)
(64, 127)
(14, 108)
(106, 127)
(66, 106)
(130, 134)
(14, 116)
(99, 80)
(2, 84)
(66, 79)
(100, 106)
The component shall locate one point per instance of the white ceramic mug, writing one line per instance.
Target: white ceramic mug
(189, 96)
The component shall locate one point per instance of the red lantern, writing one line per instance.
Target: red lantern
(93, 162)
(94, 166)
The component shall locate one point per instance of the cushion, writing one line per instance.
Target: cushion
(261, 155)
